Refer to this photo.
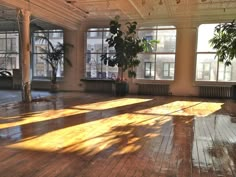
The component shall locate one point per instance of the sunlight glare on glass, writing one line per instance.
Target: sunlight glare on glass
(205, 33)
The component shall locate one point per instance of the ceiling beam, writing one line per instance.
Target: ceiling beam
(61, 8)
(136, 8)
(43, 13)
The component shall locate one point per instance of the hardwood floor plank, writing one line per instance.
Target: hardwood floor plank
(219, 164)
(91, 135)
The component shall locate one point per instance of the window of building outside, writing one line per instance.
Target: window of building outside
(149, 70)
(40, 68)
(96, 46)
(159, 63)
(9, 51)
(207, 66)
(168, 70)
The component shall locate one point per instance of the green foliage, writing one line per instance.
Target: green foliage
(55, 55)
(224, 41)
(127, 45)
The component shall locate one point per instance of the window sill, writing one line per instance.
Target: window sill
(96, 80)
(46, 79)
(145, 81)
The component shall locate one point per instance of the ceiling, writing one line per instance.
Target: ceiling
(71, 13)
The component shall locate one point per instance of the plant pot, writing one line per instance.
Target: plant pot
(54, 88)
(234, 92)
(233, 119)
(120, 88)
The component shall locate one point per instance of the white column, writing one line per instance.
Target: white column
(25, 41)
(185, 62)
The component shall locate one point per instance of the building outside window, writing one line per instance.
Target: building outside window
(96, 46)
(207, 66)
(168, 70)
(162, 56)
(149, 69)
(204, 71)
(9, 50)
(41, 69)
(225, 72)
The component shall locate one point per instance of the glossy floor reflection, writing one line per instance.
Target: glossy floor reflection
(91, 135)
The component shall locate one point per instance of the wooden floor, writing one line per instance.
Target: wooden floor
(89, 135)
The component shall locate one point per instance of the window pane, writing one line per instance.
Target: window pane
(205, 33)
(9, 47)
(2, 44)
(88, 56)
(12, 62)
(149, 70)
(157, 27)
(94, 65)
(166, 66)
(146, 60)
(167, 40)
(96, 69)
(166, 73)
(39, 44)
(96, 46)
(163, 67)
(42, 69)
(147, 73)
(206, 67)
(172, 72)
(148, 35)
(167, 44)
(225, 72)
(56, 35)
(112, 72)
(147, 66)
(13, 42)
(233, 71)
(56, 40)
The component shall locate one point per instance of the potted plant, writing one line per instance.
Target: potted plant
(224, 41)
(127, 46)
(55, 56)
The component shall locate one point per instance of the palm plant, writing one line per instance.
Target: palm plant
(55, 55)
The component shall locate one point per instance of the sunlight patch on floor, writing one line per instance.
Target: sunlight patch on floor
(6, 122)
(183, 108)
(117, 135)
(112, 103)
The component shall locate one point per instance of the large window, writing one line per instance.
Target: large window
(41, 69)
(96, 46)
(161, 57)
(9, 50)
(207, 66)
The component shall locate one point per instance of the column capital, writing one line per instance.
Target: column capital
(25, 13)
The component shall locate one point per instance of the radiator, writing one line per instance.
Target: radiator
(153, 89)
(215, 91)
(98, 86)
